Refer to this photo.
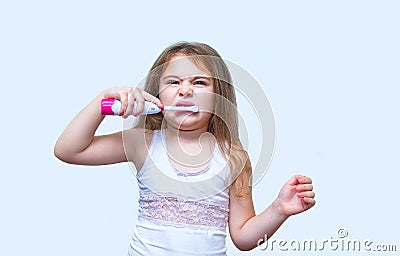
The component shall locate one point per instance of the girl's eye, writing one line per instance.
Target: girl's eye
(173, 82)
(200, 83)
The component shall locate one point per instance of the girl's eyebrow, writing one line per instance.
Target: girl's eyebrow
(202, 77)
(170, 76)
(192, 77)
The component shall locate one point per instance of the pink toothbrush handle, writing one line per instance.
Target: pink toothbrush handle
(110, 106)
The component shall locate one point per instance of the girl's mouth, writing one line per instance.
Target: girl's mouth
(192, 108)
(185, 104)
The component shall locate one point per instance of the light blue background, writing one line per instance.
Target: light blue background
(330, 69)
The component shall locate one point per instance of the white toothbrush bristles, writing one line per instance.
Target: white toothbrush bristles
(182, 108)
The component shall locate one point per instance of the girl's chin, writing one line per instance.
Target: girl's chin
(186, 121)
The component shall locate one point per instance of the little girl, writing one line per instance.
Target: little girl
(194, 177)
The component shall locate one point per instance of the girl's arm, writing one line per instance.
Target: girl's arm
(247, 228)
(78, 145)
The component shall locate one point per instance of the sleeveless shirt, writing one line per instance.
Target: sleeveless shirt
(180, 213)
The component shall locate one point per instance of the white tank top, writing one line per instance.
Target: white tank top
(181, 213)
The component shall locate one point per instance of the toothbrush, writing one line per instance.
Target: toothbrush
(110, 106)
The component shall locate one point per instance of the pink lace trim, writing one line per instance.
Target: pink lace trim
(173, 211)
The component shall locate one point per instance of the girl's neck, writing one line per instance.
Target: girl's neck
(189, 150)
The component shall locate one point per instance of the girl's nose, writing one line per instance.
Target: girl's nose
(185, 89)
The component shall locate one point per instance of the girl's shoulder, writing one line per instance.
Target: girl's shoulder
(136, 144)
(139, 133)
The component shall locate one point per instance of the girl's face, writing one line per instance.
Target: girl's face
(183, 83)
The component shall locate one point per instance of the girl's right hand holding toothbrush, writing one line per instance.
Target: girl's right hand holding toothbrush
(78, 143)
(130, 96)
